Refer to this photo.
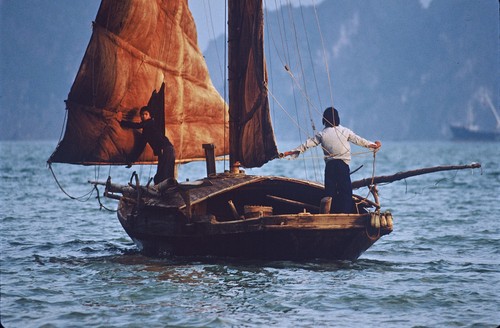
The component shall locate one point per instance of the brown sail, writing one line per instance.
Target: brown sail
(135, 47)
(251, 137)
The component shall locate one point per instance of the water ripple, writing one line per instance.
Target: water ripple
(66, 263)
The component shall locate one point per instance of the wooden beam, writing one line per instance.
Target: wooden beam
(294, 202)
(406, 174)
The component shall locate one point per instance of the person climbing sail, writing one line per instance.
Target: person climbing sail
(161, 145)
(334, 140)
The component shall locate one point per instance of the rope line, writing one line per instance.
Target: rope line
(210, 27)
(325, 57)
(310, 55)
(85, 197)
(101, 205)
(78, 198)
(302, 72)
(370, 188)
(297, 125)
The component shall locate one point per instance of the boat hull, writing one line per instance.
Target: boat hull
(465, 134)
(204, 228)
(305, 244)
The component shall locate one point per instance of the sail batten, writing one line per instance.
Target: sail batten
(137, 45)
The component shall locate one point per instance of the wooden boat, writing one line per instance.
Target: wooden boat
(146, 52)
(472, 132)
(467, 133)
(211, 217)
(239, 215)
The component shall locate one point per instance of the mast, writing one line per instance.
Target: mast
(233, 45)
(486, 98)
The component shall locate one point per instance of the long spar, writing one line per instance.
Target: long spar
(406, 174)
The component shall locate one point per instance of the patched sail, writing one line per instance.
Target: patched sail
(137, 45)
(252, 137)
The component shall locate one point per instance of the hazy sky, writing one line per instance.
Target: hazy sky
(211, 25)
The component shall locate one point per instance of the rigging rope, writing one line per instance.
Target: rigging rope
(299, 55)
(370, 188)
(299, 127)
(324, 53)
(286, 52)
(78, 198)
(303, 90)
(63, 128)
(310, 56)
(210, 27)
(85, 197)
(101, 205)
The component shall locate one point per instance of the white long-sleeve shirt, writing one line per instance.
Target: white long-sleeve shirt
(335, 143)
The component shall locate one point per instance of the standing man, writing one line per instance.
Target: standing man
(162, 147)
(334, 140)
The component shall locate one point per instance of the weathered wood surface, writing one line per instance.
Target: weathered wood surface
(406, 174)
(278, 237)
(293, 202)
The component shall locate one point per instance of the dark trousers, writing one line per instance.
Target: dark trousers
(338, 186)
(166, 164)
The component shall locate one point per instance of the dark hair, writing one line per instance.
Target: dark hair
(144, 109)
(331, 117)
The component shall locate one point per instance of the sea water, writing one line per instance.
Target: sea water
(68, 263)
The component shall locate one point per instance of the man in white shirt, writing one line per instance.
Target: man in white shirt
(335, 142)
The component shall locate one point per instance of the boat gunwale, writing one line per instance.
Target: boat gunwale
(239, 179)
(303, 221)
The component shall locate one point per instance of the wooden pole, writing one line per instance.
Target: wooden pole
(325, 205)
(210, 158)
(406, 174)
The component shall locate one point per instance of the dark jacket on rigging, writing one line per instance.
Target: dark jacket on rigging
(151, 133)
(162, 147)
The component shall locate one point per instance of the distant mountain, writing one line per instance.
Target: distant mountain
(42, 45)
(398, 71)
